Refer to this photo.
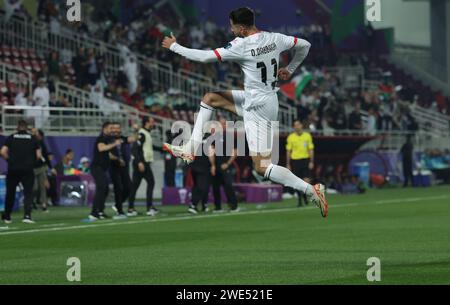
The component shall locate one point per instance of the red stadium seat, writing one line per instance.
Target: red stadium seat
(32, 53)
(36, 66)
(17, 63)
(6, 51)
(12, 86)
(4, 100)
(8, 61)
(176, 115)
(27, 65)
(24, 53)
(15, 52)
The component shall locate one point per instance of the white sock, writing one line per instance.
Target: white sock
(285, 177)
(204, 115)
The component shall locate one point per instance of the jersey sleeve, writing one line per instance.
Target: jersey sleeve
(289, 143)
(286, 42)
(310, 143)
(233, 51)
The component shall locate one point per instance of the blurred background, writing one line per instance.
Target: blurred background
(365, 88)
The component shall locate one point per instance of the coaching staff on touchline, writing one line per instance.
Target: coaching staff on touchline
(21, 150)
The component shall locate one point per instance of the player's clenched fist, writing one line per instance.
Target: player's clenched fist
(283, 74)
(168, 41)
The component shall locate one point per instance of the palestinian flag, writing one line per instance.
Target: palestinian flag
(295, 88)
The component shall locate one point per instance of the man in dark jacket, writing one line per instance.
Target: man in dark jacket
(407, 160)
(41, 167)
(142, 152)
(21, 151)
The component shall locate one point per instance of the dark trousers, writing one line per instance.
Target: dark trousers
(407, 172)
(13, 178)
(122, 185)
(200, 190)
(52, 192)
(101, 189)
(300, 168)
(137, 178)
(170, 167)
(225, 179)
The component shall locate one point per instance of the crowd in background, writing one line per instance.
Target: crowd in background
(325, 104)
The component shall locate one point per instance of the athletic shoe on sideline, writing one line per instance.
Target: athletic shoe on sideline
(132, 213)
(27, 219)
(152, 212)
(102, 215)
(120, 217)
(193, 210)
(6, 220)
(92, 218)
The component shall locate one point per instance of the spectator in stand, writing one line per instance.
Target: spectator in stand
(41, 98)
(79, 64)
(372, 122)
(53, 65)
(146, 81)
(130, 69)
(92, 68)
(355, 119)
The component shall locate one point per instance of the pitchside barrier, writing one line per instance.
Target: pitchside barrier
(246, 192)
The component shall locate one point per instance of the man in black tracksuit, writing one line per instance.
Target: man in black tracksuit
(407, 152)
(119, 169)
(170, 163)
(221, 159)
(142, 152)
(201, 174)
(41, 182)
(21, 150)
(99, 170)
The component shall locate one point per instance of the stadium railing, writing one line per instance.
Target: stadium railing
(69, 121)
(421, 56)
(431, 121)
(18, 76)
(420, 65)
(391, 140)
(192, 86)
(351, 77)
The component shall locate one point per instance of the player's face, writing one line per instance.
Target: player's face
(298, 127)
(117, 130)
(236, 29)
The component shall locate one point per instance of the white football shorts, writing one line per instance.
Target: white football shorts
(260, 120)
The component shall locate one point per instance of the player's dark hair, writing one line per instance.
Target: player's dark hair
(69, 151)
(22, 125)
(41, 132)
(106, 124)
(243, 16)
(146, 119)
(297, 120)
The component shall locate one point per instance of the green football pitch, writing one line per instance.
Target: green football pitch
(276, 243)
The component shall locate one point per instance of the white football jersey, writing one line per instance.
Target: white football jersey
(259, 56)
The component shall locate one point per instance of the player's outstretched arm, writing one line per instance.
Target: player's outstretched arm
(301, 51)
(191, 54)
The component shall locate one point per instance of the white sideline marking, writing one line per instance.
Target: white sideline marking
(103, 224)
